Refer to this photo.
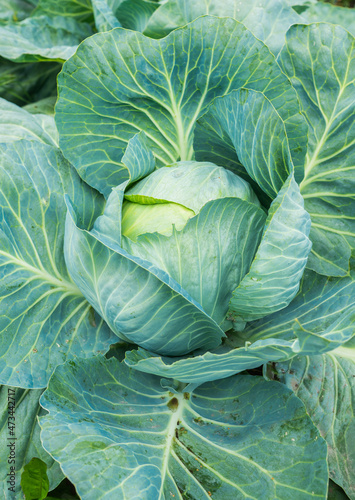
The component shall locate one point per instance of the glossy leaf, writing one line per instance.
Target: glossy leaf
(125, 82)
(221, 363)
(319, 59)
(27, 433)
(267, 20)
(41, 38)
(118, 432)
(326, 386)
(275, 273)
(47, 319)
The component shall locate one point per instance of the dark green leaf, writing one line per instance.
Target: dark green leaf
(34, 480)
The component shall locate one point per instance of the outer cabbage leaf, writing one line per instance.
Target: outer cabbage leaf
(26, 435)
(139, 162)
(274, 276)
(44, 115)
(78, 10)
(14, 10)
(121, 82)
(332, 14)
(43, 106)
(131, 14)
(318, 309)
(17, 123)
(41, 38)
(27, 82)
(105, 18)
(45, 318)
(221, 363)
(267, 20)
(243, 132)
(326, 386)
(135, 14)
(118, 433)
(159, 315)
(319, 60)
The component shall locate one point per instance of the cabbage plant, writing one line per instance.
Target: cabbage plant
(176, 253)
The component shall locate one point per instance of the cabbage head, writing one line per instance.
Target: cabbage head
(186, 252)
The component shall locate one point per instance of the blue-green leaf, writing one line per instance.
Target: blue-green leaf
(121, 82)
(47, 319)
(23, 406)
(275, 274)
(337, 334)
(329, 13)
(320, 61)
(17, 123)
(130, 14)
(267, 20)
(319, 306)
(221, 363)
(44, 106)
(42, 38)
(137, 161)
(135, 14)
(78, 10)
(211, 255)
(139, 301)
(104, 13)
(248, 122)
(326, 385)
(119, 431)
(14, 10)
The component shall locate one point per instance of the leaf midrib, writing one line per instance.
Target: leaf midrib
(313, 161)
(42, 275)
